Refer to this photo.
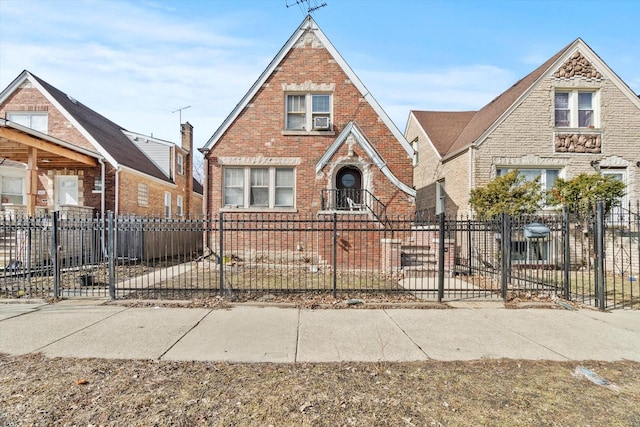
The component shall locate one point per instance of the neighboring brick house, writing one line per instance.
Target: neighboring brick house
(138, 174)
(309, 138)
(571, 115)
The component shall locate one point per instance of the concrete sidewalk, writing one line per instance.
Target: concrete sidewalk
(243, 333)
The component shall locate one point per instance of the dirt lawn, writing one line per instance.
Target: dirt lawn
(38, 391)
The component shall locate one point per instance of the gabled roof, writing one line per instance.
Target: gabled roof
(54, 151)
(352, 129)
(443, 127)
(106, 136)
(493, 113)
(308, 24)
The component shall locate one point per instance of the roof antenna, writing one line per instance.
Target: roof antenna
(310, 8)
(180, 109)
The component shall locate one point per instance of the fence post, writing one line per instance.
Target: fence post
(335, 255)
(221, 251)
(441, 253)
(111, 255)
(566, 246)
(55, 259)
(601, 295)
(505, 253)
(469, 247)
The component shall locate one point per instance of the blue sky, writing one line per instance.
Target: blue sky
(137, 61)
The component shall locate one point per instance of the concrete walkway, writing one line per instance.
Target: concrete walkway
(244, 333)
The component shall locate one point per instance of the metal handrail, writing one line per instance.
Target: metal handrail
(353, 200)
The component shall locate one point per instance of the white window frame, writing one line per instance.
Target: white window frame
(544, 185)
(180, 164)
(26, 118)
(179, 205)
(574, 109)
(167, 204)
(306, 110)
(97, 184)
(143, 195)
(617, 214)
(7, 195)
(271, 187)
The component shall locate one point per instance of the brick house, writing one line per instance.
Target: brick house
(135, 174)
(308, 138)
(571, 115)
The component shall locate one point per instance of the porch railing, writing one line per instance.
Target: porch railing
(353, 200)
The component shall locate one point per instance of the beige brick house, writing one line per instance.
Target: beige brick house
(571, 115)
(309, 138)
(130, 174)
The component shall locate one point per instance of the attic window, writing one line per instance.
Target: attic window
(576, 109)
(308, 111)
(34, 120)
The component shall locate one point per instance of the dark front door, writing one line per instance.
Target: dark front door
(349, 187)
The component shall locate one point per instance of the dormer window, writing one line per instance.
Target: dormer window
(575, 109)
(31, 119)
(308, 112)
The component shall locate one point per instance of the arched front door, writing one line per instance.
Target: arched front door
(349, 187)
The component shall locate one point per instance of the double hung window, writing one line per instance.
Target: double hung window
(308, 112)
(575, 109)
(259, 187)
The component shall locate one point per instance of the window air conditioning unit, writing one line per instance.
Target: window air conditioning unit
(321, 122)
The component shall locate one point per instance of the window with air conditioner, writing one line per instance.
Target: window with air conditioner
(308, 112)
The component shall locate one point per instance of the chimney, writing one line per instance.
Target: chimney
(186, 130)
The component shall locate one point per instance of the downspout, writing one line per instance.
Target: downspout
(205, 197)
(102, 206)
(117, 200)
(102, 178)
(471, 180)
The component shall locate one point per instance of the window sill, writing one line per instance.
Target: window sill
(577, 130)
(259, 210)
(344, 212)
(308, 133)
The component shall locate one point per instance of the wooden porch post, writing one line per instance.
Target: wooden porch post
(32, 181)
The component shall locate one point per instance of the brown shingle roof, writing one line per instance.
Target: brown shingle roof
(443, 127)
(107, 133)
(485, 117)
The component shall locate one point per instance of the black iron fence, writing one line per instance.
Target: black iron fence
(592, 258)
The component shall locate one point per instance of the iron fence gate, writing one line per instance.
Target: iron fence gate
(591, 258)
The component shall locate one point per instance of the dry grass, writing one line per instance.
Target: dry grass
(38, 391)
